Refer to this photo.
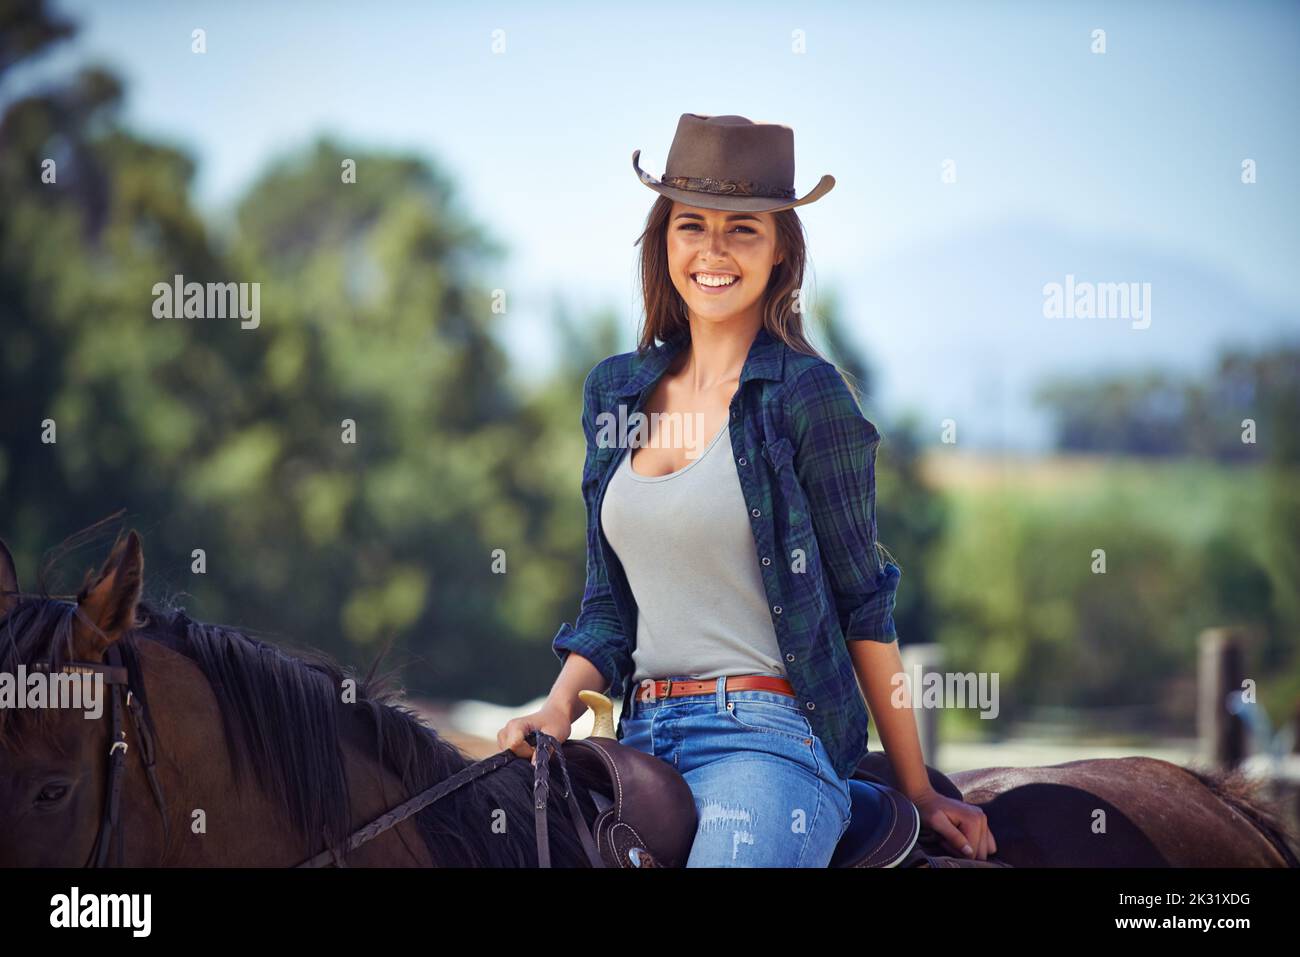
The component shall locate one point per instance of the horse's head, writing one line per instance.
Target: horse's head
(53, 758)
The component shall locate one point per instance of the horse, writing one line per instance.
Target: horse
(249, 754)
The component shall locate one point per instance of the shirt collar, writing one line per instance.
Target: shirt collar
(766, 360)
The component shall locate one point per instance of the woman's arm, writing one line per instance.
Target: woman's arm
(836, 465)
(594, 651)
(598, 634)
(963, 827)
(876, 664)
(561, 709)
(577, 674)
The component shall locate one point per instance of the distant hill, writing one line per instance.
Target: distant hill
(956, 328)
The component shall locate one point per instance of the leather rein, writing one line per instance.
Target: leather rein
(544, 748)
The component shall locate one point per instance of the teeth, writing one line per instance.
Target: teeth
(704, 279)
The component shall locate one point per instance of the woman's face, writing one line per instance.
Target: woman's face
(719, 244)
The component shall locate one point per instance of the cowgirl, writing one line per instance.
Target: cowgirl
(736, 595)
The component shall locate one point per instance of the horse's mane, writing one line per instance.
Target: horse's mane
(283, 715)
(1242, 793)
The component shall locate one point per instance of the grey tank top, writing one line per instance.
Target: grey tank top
(685, 543)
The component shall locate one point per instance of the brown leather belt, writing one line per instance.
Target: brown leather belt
(664, 688)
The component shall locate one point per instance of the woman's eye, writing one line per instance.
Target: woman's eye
(747, 229)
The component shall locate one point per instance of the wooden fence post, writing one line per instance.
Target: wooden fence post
(1221, 669)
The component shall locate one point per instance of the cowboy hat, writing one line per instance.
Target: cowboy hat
(730, 162)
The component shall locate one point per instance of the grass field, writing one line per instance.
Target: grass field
(1188, 545)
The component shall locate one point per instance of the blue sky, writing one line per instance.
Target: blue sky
(1119, 167)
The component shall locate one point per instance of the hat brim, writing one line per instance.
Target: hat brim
(745, 204)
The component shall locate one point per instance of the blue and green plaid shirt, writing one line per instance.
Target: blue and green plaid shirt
(806, 457)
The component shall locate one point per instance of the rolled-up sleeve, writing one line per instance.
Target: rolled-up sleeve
(598, 633)
(835, 461)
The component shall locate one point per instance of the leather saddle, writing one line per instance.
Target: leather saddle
(646, 816)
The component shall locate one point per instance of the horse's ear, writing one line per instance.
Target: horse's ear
(8, 581)
(106, 606)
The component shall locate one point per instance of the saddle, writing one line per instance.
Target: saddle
(645, 812)
(646, 815)
(878, 841)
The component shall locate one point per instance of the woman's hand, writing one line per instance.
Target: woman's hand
(550, 719)
(963, 827)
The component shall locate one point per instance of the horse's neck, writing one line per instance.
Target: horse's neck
(375, 790)
(216, 821)
(213, 820)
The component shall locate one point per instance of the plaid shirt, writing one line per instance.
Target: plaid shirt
(806, 456)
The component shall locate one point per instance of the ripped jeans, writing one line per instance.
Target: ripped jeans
(765, 788)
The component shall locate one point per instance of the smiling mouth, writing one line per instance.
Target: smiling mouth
(712, 281)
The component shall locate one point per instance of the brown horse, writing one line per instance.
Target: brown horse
(1124, 812)
(263, 758)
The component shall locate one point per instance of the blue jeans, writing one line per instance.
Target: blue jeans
(765, 789)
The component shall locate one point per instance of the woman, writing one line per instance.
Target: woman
(733, 572)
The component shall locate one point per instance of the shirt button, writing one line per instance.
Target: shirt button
(755, 512)
(809, 705)
(766, 560)
(777, 609)
(789, 657)
(743, 460)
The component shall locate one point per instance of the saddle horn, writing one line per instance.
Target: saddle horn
(603, 711)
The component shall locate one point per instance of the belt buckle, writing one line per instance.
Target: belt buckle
(668, 687)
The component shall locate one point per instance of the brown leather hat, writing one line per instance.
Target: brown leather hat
(730, 162)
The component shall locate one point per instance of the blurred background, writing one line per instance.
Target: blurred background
(452, 299)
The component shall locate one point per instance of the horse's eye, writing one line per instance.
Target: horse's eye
(51, 793)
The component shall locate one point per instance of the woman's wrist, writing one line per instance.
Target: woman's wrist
(918, 795)
(559, 708)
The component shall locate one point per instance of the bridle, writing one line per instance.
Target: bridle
(111, 835)
(117, 677)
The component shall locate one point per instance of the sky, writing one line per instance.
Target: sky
(1121, 166)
